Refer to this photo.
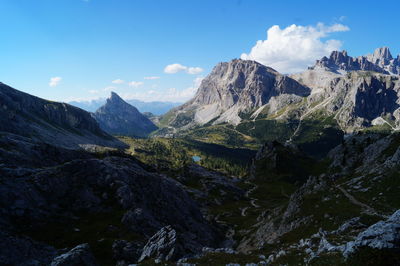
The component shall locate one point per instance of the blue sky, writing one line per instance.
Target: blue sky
(89, 44)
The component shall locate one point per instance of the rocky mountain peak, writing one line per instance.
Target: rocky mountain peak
(115, 102)
(119, 117)
(381, 56)
(235, 87)
(114, 96)
(115, 99)
(338, 56)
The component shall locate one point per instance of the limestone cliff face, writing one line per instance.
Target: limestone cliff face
(236, 87)
(120, 118)
(360, 92)
(363, 99)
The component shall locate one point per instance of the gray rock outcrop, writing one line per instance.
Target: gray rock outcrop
(382, 235)
(79, 255)
(164, 246)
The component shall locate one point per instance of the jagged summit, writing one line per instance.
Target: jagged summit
(381, 56)
(380, 61)
(341, 62)
(120, 118)
(114, 97)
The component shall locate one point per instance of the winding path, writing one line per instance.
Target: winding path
(367, 209)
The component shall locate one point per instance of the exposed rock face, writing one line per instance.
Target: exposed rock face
(383, 58)
(382, 235)
(233, 88)
(340, 61)
(79, 255)
(55, 123)
(380, 61)
(165, 245)
(120, 118)
(357, 99)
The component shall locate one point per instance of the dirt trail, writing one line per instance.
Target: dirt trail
(252, 200)
(367, 209)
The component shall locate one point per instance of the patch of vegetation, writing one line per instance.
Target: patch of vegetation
(222, 134)
(171, 155)
(268, 130)
(166, 118)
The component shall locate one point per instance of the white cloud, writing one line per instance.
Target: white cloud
(118, 81)
(175, 68)
(93, 91)
(194, 70)
(151, 78)
(294, 48)
(135, 84)
(54, 81)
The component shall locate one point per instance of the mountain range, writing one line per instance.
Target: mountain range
(259, 168)
(243, 102)
(359, 92)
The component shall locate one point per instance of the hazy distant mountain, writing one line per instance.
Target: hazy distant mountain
(157, 108)
(120, 118)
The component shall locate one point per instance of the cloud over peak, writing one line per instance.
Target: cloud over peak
(295, 47)
(175, 68)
